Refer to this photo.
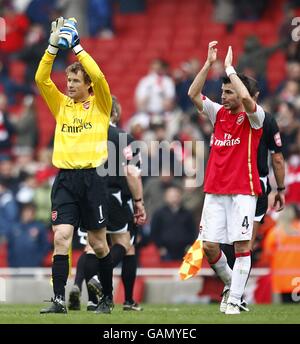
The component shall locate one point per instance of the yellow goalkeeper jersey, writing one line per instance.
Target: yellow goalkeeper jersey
(81, 128)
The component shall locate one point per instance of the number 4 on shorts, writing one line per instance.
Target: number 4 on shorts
(245, 222)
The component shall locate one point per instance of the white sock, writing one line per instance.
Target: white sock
(240, 274)
(222, 269)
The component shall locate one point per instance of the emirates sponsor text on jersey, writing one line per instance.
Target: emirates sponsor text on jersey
(227, 141)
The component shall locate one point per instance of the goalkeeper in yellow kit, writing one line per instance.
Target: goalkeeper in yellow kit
(80, 146)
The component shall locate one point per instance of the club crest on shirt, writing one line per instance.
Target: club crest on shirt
(240, 119)
(277, 139)
(54, 215)
(86, 105)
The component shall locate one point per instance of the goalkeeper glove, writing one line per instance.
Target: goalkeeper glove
(54, 35)
(68, 35)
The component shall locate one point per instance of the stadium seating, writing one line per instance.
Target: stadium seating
(17, 70)
(138, 293)
(149, 256)
(46, 122)
(3, 255)
(171, 29)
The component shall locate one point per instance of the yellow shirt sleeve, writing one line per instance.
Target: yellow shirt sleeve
(52, 96)
(100, 85)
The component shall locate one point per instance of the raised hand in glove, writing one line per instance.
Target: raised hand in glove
(68, 35)
(56, 25)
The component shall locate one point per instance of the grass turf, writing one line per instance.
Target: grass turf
(153, 314)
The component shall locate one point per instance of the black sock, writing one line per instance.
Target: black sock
(117, 252)
(229, 253)
(79, 277)
(105, 273)
(90, 270)
(60, 271)
(129, 268)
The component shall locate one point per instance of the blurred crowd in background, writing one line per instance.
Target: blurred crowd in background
(162, 112)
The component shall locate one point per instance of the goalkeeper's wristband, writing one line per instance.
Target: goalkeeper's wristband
(230, 70)
(52, 49)
(77, 49)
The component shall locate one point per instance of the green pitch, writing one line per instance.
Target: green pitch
(154, 314)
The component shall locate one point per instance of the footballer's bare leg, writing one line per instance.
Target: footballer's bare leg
(218, 261)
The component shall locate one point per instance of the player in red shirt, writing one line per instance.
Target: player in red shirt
(232, 180)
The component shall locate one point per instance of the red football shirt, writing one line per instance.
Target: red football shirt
(232, 165)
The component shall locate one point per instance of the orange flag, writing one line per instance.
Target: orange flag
(192, 261)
